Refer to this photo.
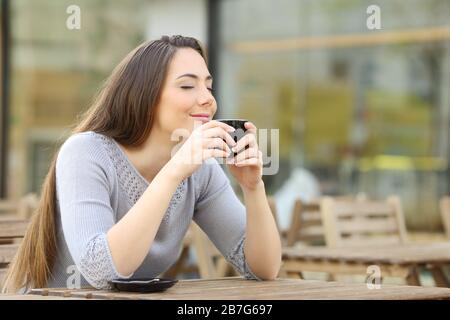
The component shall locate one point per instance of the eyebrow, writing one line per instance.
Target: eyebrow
(209, 77)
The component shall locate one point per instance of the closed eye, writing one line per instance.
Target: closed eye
(188, 87)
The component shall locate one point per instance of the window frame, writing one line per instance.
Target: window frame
(4, 90)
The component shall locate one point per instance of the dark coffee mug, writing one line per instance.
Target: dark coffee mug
(238, 125)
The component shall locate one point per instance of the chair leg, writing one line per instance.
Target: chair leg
(412, 278)
(224, 269)
(331, 277)
(439, 276)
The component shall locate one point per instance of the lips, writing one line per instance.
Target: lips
(201, 116)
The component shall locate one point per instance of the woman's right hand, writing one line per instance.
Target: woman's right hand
(205, 142)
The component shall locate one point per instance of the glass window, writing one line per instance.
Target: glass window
(363, 110)
(56, 69)
(3, 122)
(55, 72)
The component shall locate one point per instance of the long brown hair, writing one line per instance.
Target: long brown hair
(124, 110)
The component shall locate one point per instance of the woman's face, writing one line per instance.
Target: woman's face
(186, 98)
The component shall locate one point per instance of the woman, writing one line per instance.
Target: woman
(121, 193)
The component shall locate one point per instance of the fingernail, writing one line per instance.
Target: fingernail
(231, 129)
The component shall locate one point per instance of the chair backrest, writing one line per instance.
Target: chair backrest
(22, 208)
(363, 222)
(205, 253)
(11, 232)
(445, 214)
(14, 220)
(211, 263)
(306, 224)
(183, 264)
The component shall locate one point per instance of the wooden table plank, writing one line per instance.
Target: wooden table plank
(433, 253)
(240, 289)
(31, 297)
(13, 228)
(392, 260)
(7, 252)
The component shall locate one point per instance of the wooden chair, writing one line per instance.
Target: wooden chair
(306, 224)
(21, 208)
(305, 229)
(210, 262)
(367, 223)
(183, 265)
(360, 222)
(11, 232)
(445, 214)
(355, 222)
(17, 209)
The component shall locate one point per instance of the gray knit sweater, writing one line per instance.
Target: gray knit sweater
(97, 185)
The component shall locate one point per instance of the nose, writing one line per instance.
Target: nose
(205, 97)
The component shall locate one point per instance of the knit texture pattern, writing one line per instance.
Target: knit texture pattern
(97, 185)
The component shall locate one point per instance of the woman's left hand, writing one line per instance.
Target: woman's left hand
(247, 165)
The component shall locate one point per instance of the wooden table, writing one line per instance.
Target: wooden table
(396, 261)
(31, 297)
(240, 289)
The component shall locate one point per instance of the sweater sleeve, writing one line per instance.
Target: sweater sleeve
(83, 193)
(222, 216)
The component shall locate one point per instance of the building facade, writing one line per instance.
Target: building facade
(363, 110)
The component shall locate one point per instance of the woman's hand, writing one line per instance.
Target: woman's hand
(210, 140)
(247, 165)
